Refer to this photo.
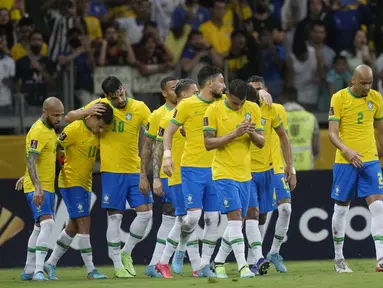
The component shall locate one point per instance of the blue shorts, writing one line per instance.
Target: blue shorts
(233, 195)
(47, 208)
(262, 193)
(198, 189)
(180, 208)
(119, 187)
(77, 201)
(349, 181)
(282, 189)
(169, 196)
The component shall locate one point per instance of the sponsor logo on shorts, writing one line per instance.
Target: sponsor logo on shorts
(106, 199)
(128, 116)
(34, 144)
(62, 136)
(80, 208)
(226, 203)
(205, 121)
(190, 199)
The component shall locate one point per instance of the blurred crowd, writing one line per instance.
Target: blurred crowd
(313, 45)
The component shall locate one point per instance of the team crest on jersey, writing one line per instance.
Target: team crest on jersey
(62, 136)
(190, 199)
(34, 144)
(247, 116)
(106, 199)
(369, 105)
(336, 190)
(263, 121)
(226, 202)
(205, 121)
(80, 208)
(128, 116)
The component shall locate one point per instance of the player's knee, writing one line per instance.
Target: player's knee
(145, 216)
(284, 209)
(252, 213)
(47, 225)
(211, 218)
(262, 218)
(192, 220)
(167, 209)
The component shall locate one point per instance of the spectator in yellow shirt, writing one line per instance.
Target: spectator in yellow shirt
(237, 11)
(21, 49)
(90, 23)
(215, 31)
(15, 8)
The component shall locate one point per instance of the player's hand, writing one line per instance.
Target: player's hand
(354, 158)
(20, 184)
(168, 166)
(157, 187)
(96, 109)
(291, 177)
(182, 131)
(266, 97)
(251, 128)
(242, 129)
(38, 197)
(144, 185)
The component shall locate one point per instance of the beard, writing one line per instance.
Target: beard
(217, 95)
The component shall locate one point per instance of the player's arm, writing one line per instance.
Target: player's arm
(378, 123)
(333, 133)
(181, 113)
(157, 162)
(149, 140)
(93, 108)
(65, 139)
(316, 139)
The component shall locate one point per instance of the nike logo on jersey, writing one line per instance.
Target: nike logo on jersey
(346, 108)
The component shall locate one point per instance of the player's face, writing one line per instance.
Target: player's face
(96, 125)
(234, 102)
(54, 116)
(169, 93)
(362, 83)
(218, 86)
(118, 99)
(257, 86)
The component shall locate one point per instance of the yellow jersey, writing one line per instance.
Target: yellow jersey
(81, 147)
(153, 125)
(18, 51)
(261, 159)
(276, 153)
(189, 113)
(178, 144)
(93, 27)
(218, 37)
(356, 116)
(41, 140)
(119, 143)
(233, 160)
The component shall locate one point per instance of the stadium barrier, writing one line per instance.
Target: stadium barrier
(309, 237)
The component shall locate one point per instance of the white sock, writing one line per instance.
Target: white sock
(165, 228)
(281, 227)
(189, 223)
(339, 229)
(262, 230)
(62, 244)
(376, 209)
(224, 248)
(137, 230)
(30, 264)
(86, 251)
(172, 241)
(255, 242)
(237, 242)
(113, 238)
(42, 243)
(210, 236)
(192, 247)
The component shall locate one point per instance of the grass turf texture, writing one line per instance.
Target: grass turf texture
(300, 274)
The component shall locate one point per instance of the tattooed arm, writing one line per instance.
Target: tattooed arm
(213, 142)
(157, 159)
(38, 195)
(146, 154)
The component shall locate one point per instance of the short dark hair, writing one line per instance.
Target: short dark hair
(317, 23)
(253, 95)
(34, 32)
(338, 58)
(165, 81)
(239, 89)
(107, 115)
(182, 85)
(110, 85)
(257, 79)
(289, 93)
(207, 73)
(25, 21)
(73, 31)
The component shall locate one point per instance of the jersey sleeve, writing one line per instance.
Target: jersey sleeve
(145, 112)
(210, 119)
(283, 115)
(37, 141)
(335, 108)
(67, 137)
(161, 129)
(276, 122)
(152, 126)
(180, 114)
(256, 118)
(379, 111)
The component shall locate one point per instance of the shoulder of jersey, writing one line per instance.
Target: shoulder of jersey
(375, 93)
(190, 99)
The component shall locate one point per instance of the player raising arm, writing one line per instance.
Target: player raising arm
(353, 114)
(39, 185)
(230, 126)
(80, 140)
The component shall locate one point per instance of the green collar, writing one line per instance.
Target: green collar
(86, 125)
(352, 94)
(204, 101)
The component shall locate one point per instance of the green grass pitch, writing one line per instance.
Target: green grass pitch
(308, 274)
